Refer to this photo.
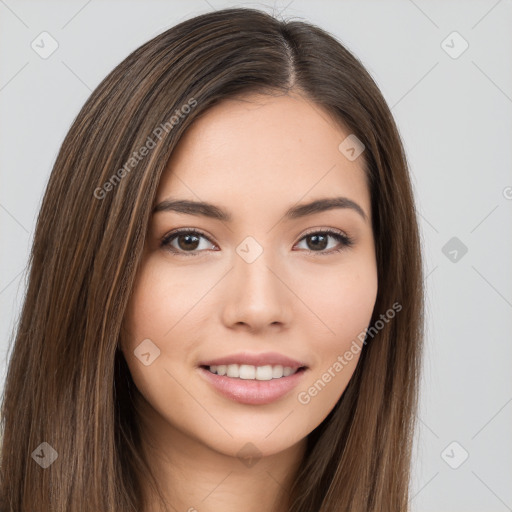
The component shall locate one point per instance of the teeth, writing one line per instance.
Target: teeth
(249, 372)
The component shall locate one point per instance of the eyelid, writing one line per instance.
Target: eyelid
(323, 230)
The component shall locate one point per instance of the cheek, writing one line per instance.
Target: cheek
(342, 299)
(149, 315)
(162, 299)
(155, 314)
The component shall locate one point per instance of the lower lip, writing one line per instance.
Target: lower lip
(253, 392)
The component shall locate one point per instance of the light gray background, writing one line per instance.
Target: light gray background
(454, 115)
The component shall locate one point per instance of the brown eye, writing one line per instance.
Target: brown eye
(186, 241)
(318, 241)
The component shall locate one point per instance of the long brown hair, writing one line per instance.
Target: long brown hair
(67, 382)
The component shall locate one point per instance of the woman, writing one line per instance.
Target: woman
(224, 306)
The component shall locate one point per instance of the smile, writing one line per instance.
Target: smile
(250, 372)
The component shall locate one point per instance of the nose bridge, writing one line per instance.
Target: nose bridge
(256, 296)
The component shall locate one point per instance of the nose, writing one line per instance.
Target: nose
(256, 296)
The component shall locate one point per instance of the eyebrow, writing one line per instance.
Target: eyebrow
(295, 212)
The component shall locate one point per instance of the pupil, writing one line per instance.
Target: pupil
(188, 237)
(315, 238)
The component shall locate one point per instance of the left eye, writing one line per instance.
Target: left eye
(319, 240)
(188, 242)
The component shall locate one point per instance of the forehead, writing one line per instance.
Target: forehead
(264, 151)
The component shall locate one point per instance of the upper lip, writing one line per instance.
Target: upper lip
(263, 359)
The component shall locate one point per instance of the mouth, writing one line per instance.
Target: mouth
(252, 385)
(251, 372)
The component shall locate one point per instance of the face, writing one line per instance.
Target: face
(251, 280)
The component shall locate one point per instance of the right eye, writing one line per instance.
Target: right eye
(187, 242)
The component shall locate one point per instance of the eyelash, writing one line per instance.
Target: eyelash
(344, 240)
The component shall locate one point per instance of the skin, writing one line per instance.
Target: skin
(255, 158)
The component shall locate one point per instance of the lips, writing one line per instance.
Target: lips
(263, 359)
(253, 392)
